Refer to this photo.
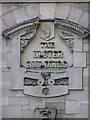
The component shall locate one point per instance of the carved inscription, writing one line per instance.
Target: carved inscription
(47, 54)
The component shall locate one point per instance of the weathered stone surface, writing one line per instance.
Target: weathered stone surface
(61, 115)
(17, 84)
(18, 101)
(84, 109)
(57, 105)
(79, 59)
(6, 49)
(6, 76)
(4, 27)
(6, 8)
(59, 11)
(85, 47)
(8, 19)
(14, 59)
(5, 101)
(59, 99)
(15, 6)
(32, 11)
(75, 14)
(84, 20)
(37, 105)
(75, 78)
(77, 95)
(8, 93)
(11, 111)
(37, 102)
(73, 107)
(83, 115)
(47, 11)
(77, 44)
(85, 72)
(28, 114)
(20, 15)
(25, 107)
(88, 58)
(82, 6)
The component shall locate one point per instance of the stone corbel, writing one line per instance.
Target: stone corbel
(8, 33)
(74, 27)
(64, 25)
(26, 38)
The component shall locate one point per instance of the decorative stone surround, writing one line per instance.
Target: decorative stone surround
(28, 23)
(78, 29)
(59, 23)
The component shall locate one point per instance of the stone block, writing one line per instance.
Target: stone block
(84, 109)
(73, 107)
(18, 101)
(75, 14)
(37, 105)
(79, 59)
(32, 11)
(85, 102)
(75, 78)
(13, 59)
(85, 72)
(82, 6)
(5, 101)
(8, 19)
(15, 6)
(47, 10)
(6, 8)
(20, 14)
(3, 41)
(6, 49)
(4, 57)
(59, 99)
(37, 102)
(89, 46)
(4, 64)
(6, 76)
(25, 107)
(84, 20)
(60, 115)
(57, 105)
(11, 111)
(85, 47)
(77, 44)
(28, 114)
(88, 58)
(9, 93)
(77, 95)
(84, 115)
(15, 46)
(6, 84)
(59, 11)
(17, 82)
(4, 27)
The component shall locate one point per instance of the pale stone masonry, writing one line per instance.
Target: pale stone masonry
(15, 104)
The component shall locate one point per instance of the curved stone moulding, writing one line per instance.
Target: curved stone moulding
(74, 27)
(26, 24)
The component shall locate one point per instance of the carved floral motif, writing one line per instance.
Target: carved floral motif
(26, 38)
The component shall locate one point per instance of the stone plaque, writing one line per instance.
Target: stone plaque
(50, 58)
(47, 59)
